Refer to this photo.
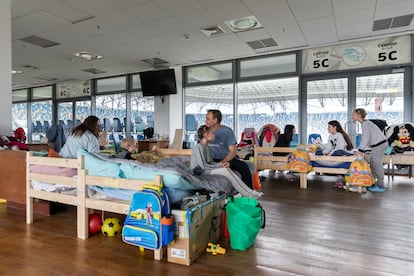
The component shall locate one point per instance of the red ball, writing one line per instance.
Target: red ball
(95, 223)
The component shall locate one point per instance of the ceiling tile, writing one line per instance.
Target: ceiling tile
(18, 9)
(148, 12)
(68, 13)
(199, 19)
(315, 24)
(340, 6)
(394, 9)
(291, 41)
(93, 7)
(310, 9)
(253, 35)
(229, 11)
(265, 6)
(178, 7)
(36, 23)
(321, 37)
(126, 3)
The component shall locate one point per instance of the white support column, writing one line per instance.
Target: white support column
(5, 68)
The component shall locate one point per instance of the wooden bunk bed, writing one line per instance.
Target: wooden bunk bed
(80, 199)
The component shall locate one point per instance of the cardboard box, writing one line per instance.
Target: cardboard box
(195, 228)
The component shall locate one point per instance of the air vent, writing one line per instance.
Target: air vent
(402, 21)
(94, 71)
(262, 43)
(39, 41)
(394, 22)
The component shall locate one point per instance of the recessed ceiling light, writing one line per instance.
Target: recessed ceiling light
(244, 24)
(16, 72)
(87, 56)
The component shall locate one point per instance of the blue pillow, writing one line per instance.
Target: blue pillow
(98, 167)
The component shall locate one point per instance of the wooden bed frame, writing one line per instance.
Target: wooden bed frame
(266, 162)
(81, 200)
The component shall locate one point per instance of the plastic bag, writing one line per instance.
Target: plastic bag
(245, 218)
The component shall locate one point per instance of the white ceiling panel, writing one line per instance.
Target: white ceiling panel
(127, 31)
(306, 10)
(265, 6)
(148, 12)
(394, 9)
(253, 35)
(126, 3)
(68, 13)
(93, 7)
(199, 19)
(321, 37)
(39, 4)
(341, 6)
(18, 9)
(291, 41)
(321, 24)
(229, 11)
(179, 7)
(36, 23)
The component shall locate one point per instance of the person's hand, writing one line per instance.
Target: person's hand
(225, 164)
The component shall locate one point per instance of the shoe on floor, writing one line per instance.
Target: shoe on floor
(376, 189)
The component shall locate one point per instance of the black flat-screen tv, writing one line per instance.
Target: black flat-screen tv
(158, 83)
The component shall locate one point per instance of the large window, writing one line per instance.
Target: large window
(41, 119)
(111, 84)
(19, 109)
(268, 102)
(327, 100)
(209, 72)
(269, 65)
(382, 96)
(111, 109)
(142, 112)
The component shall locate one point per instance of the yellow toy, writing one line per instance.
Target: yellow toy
(215, 249)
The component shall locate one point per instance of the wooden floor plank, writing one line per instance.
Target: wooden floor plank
(318, 231)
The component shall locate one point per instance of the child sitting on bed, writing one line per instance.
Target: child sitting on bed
(203, 164)
(126, 147)
(339, 142)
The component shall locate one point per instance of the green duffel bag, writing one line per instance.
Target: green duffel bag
(245, 218)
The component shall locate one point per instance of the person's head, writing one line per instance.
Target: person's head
(334, 127)
(206, 133)
(289, 131)
(359, 114)
(91, 123)
(213, 117)
(129, 144)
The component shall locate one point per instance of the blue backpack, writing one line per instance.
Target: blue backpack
(142, 226)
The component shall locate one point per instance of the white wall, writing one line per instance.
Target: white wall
(5, 69)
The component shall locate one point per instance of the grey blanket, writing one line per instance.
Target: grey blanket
(178, 165)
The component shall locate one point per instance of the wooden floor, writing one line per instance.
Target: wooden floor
(319, 231)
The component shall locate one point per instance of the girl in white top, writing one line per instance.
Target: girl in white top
(203, 164)
(339, 142)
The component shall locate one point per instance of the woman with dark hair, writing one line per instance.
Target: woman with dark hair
(339, 142)
(85, 136)
(285, 139)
